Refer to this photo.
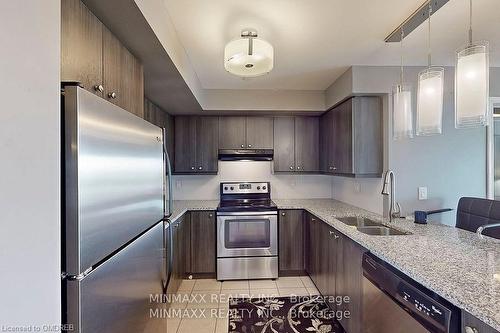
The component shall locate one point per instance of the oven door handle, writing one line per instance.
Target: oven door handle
(271, 218)
(253, 214)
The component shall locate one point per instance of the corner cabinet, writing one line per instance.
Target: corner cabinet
(351, 138)
(296, 144)
(94, 57)
(196, 145)
(245, 132)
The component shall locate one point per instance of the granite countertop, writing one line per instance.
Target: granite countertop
(454, 263)
(182, 206)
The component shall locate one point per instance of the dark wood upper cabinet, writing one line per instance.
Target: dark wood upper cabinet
(296, 144)
(185, 144)
(81, 46)
(123, 76)
(203, 242)
(232, 132)
(259, 132)
(207, 135)
(342, 138)
(93, 56)
(284, 144)
(326, 147)
(245, 132)
(196, 141)
(112, 59)
(155, 115)
(132, 83)
(307, 144)
(351, 138)
(291, 241)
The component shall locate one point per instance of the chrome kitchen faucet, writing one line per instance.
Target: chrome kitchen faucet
(389, 179)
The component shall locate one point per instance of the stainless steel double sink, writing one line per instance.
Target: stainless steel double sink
(371, 227)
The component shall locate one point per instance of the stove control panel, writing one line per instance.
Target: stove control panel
(245, 188)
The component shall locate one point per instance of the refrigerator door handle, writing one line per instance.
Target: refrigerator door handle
(169, 175)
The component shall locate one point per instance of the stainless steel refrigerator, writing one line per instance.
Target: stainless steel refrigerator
(116, 188)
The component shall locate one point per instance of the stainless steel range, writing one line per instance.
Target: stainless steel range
(247, 232)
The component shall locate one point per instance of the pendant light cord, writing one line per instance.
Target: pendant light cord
(429, 59)
(401, 78)
(470, 22)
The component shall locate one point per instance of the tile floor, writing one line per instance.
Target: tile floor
(201, 305)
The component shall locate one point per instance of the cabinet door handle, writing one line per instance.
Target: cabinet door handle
(200, 168)
(331, 233)
(313, 219)
(249, 146)
(210, 215)
(192, 168)
(283, 214)
(470, 329)
(99, 88)
(336, 236)
(112, 95)
(291, 168)
(298, 168)
(242, 146)
(331, 168)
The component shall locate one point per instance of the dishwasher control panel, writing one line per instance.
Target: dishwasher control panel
(426, 307)
(422, 305)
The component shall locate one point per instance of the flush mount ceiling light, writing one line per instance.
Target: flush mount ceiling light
(402, 119)
(248, 56)
(472, 82)
(430, 95)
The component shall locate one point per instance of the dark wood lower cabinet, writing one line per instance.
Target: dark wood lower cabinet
(182, 263)
(333, 262)
(349, 282)
(203, 242)
(291, 242)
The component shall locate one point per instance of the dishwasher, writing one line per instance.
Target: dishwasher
(393, 302)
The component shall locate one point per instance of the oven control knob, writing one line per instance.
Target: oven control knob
(232, 188)
(264, 188)
(225, 188)
(258, 187)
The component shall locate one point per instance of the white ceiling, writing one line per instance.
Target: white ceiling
(317, 40)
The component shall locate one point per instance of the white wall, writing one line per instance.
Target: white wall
(30, 156)
(282, 186)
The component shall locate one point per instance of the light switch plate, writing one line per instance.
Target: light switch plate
(422, 193)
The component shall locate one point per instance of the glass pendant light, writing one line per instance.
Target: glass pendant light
(472, 82)
(402, 119)
(430, 95)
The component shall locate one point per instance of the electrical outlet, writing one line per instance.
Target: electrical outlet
(422, 193)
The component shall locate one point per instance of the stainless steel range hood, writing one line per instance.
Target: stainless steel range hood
(246, 154)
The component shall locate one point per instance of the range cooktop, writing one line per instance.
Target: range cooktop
(246, 197)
